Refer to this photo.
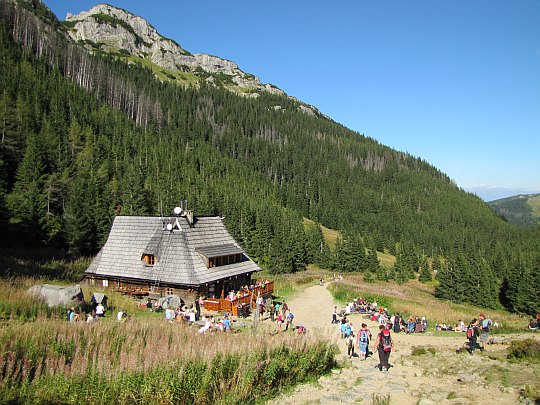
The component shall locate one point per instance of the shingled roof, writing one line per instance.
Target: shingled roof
(178, 252)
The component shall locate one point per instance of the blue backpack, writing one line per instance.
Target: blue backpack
(364, 337)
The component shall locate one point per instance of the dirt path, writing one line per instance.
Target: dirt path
(445, 377)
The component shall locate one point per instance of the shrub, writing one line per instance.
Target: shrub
(420, 351)
(528, 349)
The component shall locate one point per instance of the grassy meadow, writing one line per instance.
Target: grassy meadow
(417, 299)
(45, 359)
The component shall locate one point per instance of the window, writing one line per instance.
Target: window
(149, 260)
(170, 291)
(105, 283)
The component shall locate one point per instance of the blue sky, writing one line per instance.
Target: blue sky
(456, 83)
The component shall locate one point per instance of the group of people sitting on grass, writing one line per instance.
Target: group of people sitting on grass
(399, 323)
(396, 322)
(211, 324)
(534, 324)
(85, 312)
(459, 327)
(178, 315)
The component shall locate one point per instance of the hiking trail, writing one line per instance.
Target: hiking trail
(443, 378)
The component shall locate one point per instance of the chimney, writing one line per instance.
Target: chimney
(189, 217)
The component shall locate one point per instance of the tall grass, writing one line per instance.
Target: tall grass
(150, 361)
(16, 304)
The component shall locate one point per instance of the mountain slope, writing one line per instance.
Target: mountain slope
(523, 210)
(92, 136)
(108, 29)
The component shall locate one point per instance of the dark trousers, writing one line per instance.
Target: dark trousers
(383, 358)
(350, 350)
(472, 344)
(334, 318)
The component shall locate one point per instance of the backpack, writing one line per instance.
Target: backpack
(486, 325)
(364, 336)
(386, 340)
(470, 332)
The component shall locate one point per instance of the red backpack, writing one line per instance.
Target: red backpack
(386, 340)
(470, 332)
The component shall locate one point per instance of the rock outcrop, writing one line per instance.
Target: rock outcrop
(114, 30)
(55, 295)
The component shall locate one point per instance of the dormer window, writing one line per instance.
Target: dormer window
(222, 255)
(149, 260)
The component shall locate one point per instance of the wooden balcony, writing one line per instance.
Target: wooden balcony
(247, 299)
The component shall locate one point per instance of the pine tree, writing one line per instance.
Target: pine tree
(26, 202)
(425, 272)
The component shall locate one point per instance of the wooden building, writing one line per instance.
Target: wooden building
(182, 255)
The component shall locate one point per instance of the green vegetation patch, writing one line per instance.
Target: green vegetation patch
(344, 293)
(525, 350)
(420, 351)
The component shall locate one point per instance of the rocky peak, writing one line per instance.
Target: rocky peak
(114, 30)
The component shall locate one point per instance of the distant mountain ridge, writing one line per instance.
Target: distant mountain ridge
(522, 209)
(109, 29)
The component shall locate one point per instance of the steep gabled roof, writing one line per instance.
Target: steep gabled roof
(178, 252)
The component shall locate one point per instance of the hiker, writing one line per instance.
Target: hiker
(384, 345)
(100, 310)
(362, 341)
(289, 320)
(260, 305)
(342, 327)
(485, 327)
(226, 323)
(397, 323)
(533, 325)
(472, 335)
(272, 313)
(69, 312)
(350, 345)
(73, 316)
(334, 315)
(284, 308)
(348, 329)
(411, 325)
(279, 321)
(277, 308)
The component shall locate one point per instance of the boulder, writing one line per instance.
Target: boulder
(171, 301)
(55, 295)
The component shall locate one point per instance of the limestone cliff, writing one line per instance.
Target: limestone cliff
(114, 30)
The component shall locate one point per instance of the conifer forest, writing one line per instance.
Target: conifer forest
(86, 137)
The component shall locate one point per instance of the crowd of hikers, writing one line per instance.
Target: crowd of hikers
(361, 338)
(477, 331)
